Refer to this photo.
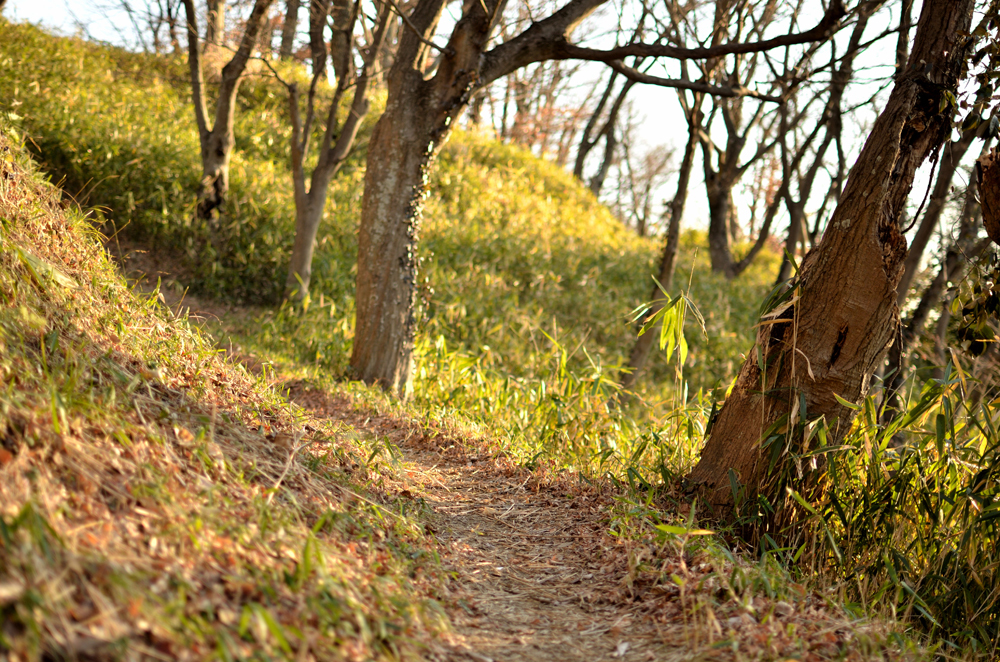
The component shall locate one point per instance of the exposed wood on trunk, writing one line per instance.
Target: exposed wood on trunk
(832, 336)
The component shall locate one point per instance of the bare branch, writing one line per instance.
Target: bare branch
(715, 90)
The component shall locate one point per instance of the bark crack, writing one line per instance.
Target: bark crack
(839, 345)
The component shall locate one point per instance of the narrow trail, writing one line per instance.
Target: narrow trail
(531, 579)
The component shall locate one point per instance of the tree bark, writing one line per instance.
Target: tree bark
(288, 29)
(310, 204)
(215, 33)
(668, 262)
(217, 141)
(832, 335)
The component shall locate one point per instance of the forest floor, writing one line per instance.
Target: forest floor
(533, 571)
(531, 575)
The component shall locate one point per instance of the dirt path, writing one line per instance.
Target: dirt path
(531, 576)
(528, 570)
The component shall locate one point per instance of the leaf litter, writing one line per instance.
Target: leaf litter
(161, 502)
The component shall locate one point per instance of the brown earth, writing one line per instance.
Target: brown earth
(533, 577)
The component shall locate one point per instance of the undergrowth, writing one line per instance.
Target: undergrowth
(157, 501)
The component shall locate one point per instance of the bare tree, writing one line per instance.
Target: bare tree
(639, 179)
(217, 139)
(338, 138)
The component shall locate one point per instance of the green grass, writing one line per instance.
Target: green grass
(148, 504)
(525, 288)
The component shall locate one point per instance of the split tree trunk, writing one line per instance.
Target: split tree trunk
(832, 336)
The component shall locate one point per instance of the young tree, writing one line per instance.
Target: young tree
(420, 110)
(338, 140)
(217, 139)
(821, 346)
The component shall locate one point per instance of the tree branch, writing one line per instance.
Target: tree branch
(680, 84)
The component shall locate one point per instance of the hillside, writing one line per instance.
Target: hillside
(153, 500)
(161, 499)
(160, 502)
(507, 239)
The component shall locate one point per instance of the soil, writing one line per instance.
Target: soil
(531, 577)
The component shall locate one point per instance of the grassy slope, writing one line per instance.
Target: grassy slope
(149, 501)
(513, 247)
(519, 260)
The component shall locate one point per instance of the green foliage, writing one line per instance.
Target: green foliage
(117, 130)
(914, 508)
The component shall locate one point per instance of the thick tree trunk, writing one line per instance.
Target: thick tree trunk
(288, 29)
(668, 262)
(830, 338)
(398, 155)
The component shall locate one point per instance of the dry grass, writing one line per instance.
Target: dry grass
(535, 572)
(159, 502)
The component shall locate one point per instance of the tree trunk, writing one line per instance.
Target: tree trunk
(719, 206)
(288, 29)
(831, 337)
(216, 153)
(398, 156)
(644, 343)
(340, 40)
(215, 34)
